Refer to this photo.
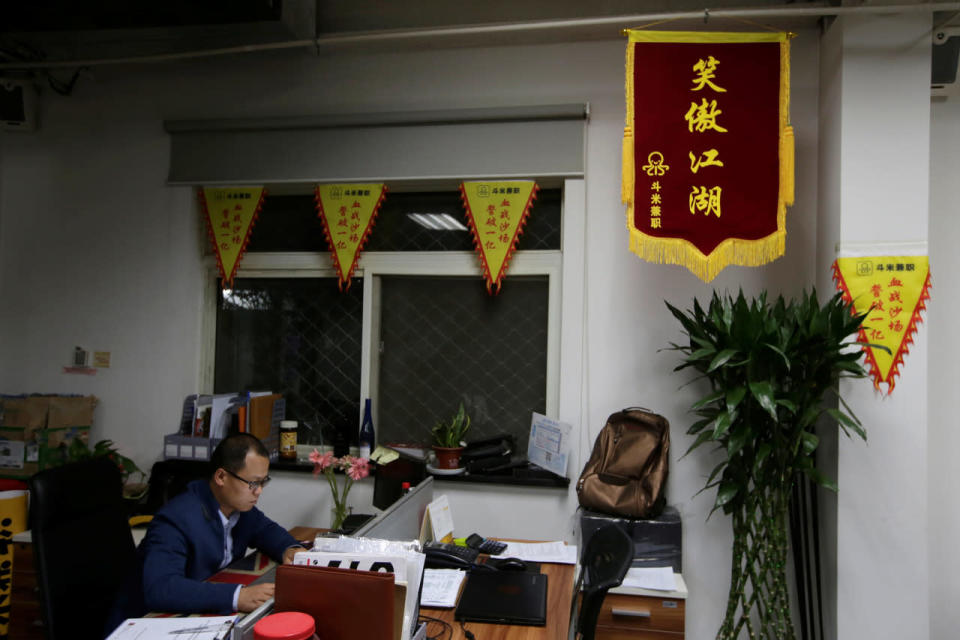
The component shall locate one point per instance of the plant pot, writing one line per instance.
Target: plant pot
(448, 457)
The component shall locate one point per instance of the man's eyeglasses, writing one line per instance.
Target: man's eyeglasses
(253, 484)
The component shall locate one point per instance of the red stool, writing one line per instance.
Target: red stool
(289, 625)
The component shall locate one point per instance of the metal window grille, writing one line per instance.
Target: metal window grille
(299, 337)
(444, 340)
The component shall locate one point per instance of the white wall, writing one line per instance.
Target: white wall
(881, 156)
(943, 435)
(96, 251)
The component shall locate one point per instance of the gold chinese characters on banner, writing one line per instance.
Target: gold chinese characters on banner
(230, 214)
(348, 212)
(892, 290)
(497, 212)
(707, 148)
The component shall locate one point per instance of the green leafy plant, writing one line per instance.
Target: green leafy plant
(129, 471)
(450, 433)
(770, 368)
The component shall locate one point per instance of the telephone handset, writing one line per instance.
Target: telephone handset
(442, 555)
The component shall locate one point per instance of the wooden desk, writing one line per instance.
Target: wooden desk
(559, 594)
(559, 597)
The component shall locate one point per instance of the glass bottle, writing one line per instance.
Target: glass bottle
(288, 440)
(366, 431)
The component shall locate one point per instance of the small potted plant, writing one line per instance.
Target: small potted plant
(448, 439)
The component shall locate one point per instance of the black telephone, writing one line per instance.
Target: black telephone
(443, 555)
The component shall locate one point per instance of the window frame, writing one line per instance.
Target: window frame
(563, 268)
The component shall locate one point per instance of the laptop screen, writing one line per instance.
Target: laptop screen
(504, 597)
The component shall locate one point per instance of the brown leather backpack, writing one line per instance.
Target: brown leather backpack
(627, 469)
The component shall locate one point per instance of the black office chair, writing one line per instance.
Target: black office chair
(82, 546)
(606, 558)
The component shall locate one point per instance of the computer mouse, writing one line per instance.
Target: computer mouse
(512, 564)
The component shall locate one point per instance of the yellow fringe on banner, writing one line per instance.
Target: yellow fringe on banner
(628, 173)
(737, 251)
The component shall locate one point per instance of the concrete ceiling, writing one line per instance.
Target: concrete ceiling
(65, 30)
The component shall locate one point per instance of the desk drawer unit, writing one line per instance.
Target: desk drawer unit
(640, 618)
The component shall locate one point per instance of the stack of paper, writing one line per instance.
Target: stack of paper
(657, 578)
(558, 552)
(441, 587)
(205, 628)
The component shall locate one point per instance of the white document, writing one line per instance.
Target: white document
(557, 552)
(657, 578)
(394, 564)
(205, 628)
(549, 446)
(441, 587)
(441, 519)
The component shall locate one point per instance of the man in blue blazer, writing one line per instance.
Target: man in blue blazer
(209, 526)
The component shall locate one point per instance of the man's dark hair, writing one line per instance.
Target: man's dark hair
(231, 453)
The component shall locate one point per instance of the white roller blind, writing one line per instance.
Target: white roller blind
(462, 144)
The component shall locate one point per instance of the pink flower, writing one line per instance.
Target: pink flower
(359, 468)
(321, 460)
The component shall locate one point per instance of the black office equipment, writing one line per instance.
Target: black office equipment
(82, 546)
(488, 454)
(504, 597)
(442, 555)
(389, 478)
(605, 561)
(485, 545)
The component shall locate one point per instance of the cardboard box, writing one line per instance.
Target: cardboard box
(36, 430)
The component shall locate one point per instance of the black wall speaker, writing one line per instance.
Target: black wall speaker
(18, 100)
(945, 55)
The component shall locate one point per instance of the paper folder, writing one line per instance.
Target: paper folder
(261, 414)
(345, 603)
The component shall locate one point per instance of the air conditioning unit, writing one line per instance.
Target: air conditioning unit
(944, 57)
(18, 104)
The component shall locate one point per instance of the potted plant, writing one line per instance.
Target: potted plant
(448, 439)
(134, 479)
(770, 367)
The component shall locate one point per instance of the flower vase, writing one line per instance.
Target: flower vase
(339, 514)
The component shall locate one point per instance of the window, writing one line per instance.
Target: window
(416, 331)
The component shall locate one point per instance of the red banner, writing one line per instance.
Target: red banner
(708, 153)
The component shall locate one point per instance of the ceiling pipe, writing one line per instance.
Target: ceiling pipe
(539, 26)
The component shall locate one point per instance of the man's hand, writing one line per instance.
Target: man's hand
(253, 596)
(290, 552)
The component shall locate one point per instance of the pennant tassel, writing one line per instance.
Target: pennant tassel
(749, 253)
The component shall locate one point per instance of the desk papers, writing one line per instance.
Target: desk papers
(549, 444)
(656, 578)
(557, 552)
(202, 628)
(441, 587)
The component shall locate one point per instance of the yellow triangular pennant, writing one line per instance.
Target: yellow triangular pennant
(230, 213)
(497, 212)
(348, 212)
(892, 290)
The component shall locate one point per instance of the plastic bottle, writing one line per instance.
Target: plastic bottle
(366, 431)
